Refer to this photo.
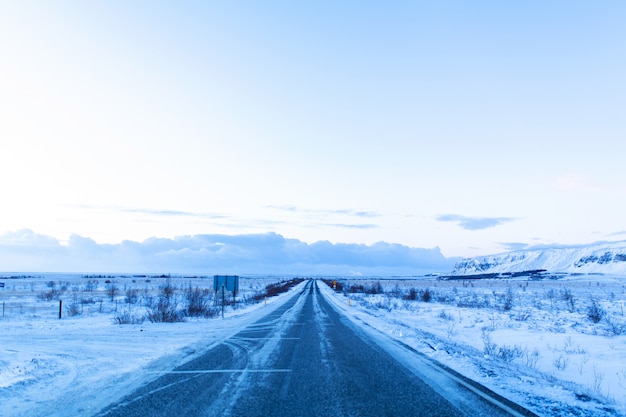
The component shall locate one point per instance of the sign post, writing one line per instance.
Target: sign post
(225, 283)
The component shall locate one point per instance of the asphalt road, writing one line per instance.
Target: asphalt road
(305, 359)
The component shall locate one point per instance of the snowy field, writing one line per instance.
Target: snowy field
(557, 347)
(79, 364)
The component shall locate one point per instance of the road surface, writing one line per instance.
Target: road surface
(306, 359)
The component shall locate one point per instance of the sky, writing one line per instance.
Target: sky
(471, 128)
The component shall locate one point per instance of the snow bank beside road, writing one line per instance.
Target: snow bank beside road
(565, 367)
(77, 365)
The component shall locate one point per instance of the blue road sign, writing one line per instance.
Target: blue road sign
(230, 282)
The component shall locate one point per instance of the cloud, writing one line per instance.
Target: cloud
(474, 223)
(264, 253)
(26, 238)
(340, 218)
(575, 182)
(173, 213)
(355, 213)
(315, 212)
(152, 212)
(514, 246)
(354, 226)
(284, 208)
(308, 217)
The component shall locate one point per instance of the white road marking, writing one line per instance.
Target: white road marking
(220, 371)
(266, 338)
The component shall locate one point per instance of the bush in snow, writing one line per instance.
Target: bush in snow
(49, 295)
(445, 316)
(426, 295)
(132, 295)
(532, 357)
(472, 300)
(412, 295)
(111, 289)
(560, 363)
(490, 348)
(568, 297)
(376, 288)
(91, 285)
(509, 353)
(595, 313)
(199, 302)
(284, 286)
(168, 289)
(164, 310)
(508, 299)
(73, 308)
(615, 326)
(127, 318)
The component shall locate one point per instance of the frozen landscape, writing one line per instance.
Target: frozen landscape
(556, 346)
(399, 186)
(553, 343)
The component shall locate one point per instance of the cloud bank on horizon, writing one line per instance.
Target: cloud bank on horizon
(267, 253)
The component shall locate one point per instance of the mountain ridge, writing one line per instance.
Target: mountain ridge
(604, 257)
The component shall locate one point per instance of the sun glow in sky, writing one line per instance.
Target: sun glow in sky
(469, 126)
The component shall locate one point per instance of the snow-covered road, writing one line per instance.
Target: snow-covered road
(307, 359)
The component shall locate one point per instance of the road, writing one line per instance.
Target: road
(306, 359)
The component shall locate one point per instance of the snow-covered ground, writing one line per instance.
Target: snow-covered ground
(79, 364)
(531, 341)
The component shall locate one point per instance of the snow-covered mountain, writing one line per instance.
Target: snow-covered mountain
(607, 258)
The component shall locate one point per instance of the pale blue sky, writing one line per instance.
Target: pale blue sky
(466, 126)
